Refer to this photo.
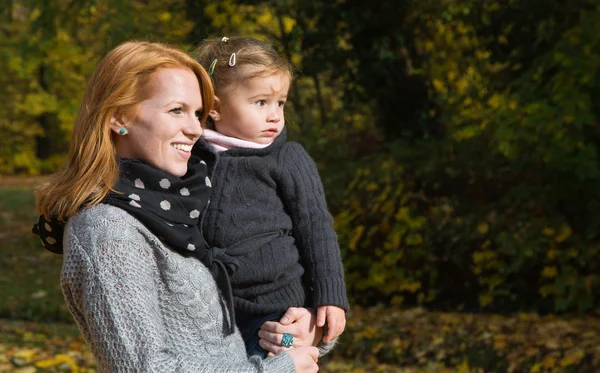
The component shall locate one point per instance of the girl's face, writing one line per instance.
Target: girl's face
(166, 125)
(252, 110)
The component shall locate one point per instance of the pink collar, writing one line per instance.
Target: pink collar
(221, 142)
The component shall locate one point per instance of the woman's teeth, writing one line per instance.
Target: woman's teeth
(185, 148)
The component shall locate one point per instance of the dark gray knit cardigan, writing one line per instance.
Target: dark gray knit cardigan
(268, 222)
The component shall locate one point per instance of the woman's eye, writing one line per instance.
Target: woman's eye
(176, 110)
(261, 102)
(281, 103)
(198, 114)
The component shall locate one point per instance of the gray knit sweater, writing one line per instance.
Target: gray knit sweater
(268, 221)
(144, 308)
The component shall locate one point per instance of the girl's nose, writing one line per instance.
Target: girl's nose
(274, 116)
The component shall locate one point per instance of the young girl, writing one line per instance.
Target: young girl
(268, 220)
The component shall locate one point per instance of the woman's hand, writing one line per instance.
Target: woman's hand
(299, 322)
(305, 359)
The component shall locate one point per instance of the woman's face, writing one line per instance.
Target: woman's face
(166, 125)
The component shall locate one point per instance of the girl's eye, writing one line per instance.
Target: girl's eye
(281, 103)
(261, 102)
(198, 114)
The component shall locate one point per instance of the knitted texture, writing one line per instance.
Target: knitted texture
(269, 216)
(144, 308)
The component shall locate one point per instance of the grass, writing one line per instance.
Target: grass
(29, 274)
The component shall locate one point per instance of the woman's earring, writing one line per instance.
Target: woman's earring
(122, 131)
(217, 117)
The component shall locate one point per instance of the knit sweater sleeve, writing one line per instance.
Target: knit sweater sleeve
(313, 231)
(111, 290)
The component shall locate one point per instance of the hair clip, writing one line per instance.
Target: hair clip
(232, 60)
(211, 69)
(225, 39)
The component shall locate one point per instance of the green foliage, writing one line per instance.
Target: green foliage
(507, 187)
(383, 237)
(51, 49)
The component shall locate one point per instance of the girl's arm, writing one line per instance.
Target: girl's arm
(304, 198)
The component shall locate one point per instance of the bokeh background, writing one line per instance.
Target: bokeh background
(457, 140)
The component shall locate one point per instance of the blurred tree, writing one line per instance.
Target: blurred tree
(510, 178)
(49, 51)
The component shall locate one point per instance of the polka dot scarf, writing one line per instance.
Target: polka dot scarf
(169, 206)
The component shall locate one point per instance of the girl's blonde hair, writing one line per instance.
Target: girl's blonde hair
(215, 54)
(116, 87)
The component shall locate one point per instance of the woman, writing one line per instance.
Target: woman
(132, 192)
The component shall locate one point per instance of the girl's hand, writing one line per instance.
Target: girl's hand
(305, 359)
(299, 322)
(336, 321)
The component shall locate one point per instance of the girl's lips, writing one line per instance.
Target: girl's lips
(270, 132)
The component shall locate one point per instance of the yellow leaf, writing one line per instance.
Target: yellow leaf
(411, 286)
(572, 357)
(485, 299)
(56, 360)
(165, 17)
(358, 232)
(462, 85)
(549, 272)
(549, 361)
(463, 367)
(372, 187)
(495, 101)
(482, 55)
(265, 18)
(536, 368)
(288, 24)
(25, 354)
(500, 342)
(565, 233)
(402, 214)
(482, 228)
(439, 86)
(414, 239)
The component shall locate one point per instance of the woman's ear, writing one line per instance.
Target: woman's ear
(215, 112)
(118, 124)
